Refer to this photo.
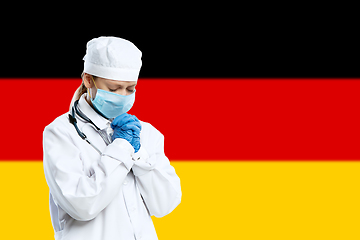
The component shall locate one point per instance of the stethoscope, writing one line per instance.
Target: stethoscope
(72, 120)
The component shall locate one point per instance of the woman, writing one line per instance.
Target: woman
(106, 170)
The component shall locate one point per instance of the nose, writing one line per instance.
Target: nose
(123, 92)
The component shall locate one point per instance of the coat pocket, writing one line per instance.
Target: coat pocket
(59, 235)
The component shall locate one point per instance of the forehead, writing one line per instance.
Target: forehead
(117, 82)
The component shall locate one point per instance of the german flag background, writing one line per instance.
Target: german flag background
(261, 122)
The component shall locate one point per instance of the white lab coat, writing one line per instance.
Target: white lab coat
(98, 197)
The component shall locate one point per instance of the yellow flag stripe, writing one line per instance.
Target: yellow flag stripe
(238, 200)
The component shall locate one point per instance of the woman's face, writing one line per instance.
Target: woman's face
(120, 87)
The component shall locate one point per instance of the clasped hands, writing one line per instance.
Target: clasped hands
(127, 127)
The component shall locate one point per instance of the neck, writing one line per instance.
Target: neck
(87, 98)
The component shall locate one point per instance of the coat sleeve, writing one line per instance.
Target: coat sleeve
(82, 196)
(158, 183)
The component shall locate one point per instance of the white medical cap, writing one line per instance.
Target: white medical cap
(112, 58)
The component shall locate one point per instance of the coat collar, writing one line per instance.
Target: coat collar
(84, 106)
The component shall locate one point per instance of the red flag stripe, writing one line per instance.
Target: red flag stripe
(207, 119)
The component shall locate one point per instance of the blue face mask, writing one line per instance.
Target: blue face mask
(111, 104)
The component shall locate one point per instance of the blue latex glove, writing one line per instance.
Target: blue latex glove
(136, 139)
(127, 127)
(123, 119)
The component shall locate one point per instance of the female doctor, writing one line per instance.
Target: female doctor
(106, 170)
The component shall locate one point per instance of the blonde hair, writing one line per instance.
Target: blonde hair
(79, 91)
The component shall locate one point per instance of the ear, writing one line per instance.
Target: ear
(87, 80)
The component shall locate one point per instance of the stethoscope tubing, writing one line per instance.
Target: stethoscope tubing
(73, 121)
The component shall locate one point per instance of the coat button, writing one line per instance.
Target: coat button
(125, 182)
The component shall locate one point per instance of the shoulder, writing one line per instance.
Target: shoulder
(151, 138)
(60, 123)
(149, 129)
